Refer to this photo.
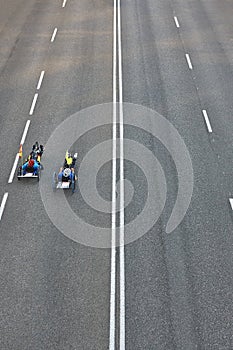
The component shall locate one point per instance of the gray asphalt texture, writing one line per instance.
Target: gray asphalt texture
(54, 293)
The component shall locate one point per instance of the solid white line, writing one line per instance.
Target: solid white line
(64, 3)
(53, 36)
(122, 210)
(3, 205)
(177, 22)
(207, 120)
(13, 169)
(231, 202)
(112, 332)
(40, 80)
(189, 61)
(33, 104)
(25, 132)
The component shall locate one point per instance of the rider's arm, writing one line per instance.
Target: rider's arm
(25, 166)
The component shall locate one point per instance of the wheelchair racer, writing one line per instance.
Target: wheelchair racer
(66, 173)
(32, 166)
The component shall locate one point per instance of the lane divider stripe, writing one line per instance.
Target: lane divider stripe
(40, 80)
(53, 35)
(3, 205)
(231, 202)
(177, 22)
(207, 121)
(33, 104)
(189, 61)
(12, 174)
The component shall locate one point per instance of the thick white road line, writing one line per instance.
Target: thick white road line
(12, 174)
(33, 104)
(3, 205)
(231, 202)
(177, 22)
(207, 120)
(188, 61)
(40, 80)
(122, 204)
(112, 326)
(64, 3)
(53, 35)
(25, 132)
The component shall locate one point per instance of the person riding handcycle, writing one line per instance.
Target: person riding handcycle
(32, 164)
(67, 173)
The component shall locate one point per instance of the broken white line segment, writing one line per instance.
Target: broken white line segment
(54, 34)
(189, 61)
(33, 104)
(3, 205)
(40, 80)
(25, 132)
(207, 120)
(64, 3)
(231, 202)
(17, 155)
(13, 169)
(177, 22)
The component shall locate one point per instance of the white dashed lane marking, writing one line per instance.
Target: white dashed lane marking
(33, 104)
(12, 174)
(189, 61)
(177, 22)
(207, 121)
(40, 80)
(3, 204)
(53, 35)
(231, 202)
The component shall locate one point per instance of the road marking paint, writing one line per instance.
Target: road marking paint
(112, 326)
(33, 104)
(122, 204)
(12, 174)
(25, 132)
(64, 3)
(40, 80)
(177, 22)
(189, 61)
(231, 202)
(4, 199)
(117, 54)
(13, 169)
(53, 35)
(207, 120)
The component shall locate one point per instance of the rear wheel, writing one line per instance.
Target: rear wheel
(19, 173)
(38, 175)
(73, 185)
(54, 182)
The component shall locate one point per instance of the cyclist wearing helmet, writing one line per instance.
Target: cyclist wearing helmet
(31, 167)
(66, 173)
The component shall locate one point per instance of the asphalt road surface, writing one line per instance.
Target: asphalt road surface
(171, 59)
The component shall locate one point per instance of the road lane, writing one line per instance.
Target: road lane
(178, 286)
(54, 292)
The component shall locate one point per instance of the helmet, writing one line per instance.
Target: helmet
(31, 163)
(67, 172)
